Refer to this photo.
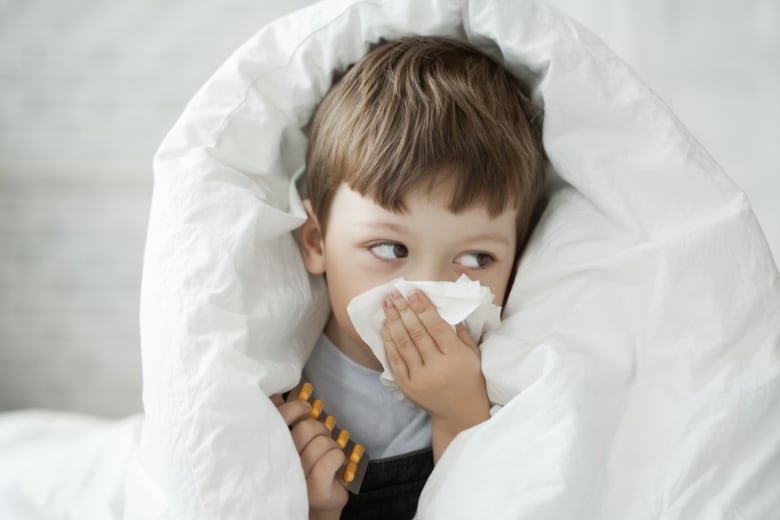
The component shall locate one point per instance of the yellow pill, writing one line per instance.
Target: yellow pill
(342, 439)
(349, 472)
(305, 392)
(357, 452)
(329, 422)
(316, 409)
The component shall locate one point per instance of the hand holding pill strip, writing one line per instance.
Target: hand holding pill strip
(351, 474)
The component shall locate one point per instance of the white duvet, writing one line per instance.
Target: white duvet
(636, 373)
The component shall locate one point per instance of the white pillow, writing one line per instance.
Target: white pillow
(638, 360)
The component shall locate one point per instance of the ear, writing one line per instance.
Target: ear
(312, 242)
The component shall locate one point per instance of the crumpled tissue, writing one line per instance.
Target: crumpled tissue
(463, 300)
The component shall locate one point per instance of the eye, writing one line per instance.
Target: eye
(475, 260)
(389, 250)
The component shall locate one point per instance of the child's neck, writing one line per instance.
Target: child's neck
(354, 350)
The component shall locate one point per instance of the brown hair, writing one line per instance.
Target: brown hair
(413, 107)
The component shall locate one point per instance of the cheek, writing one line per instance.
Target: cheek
(498, 295)
(345, 281)
(499, 284)
(343, 285)
(340, 294)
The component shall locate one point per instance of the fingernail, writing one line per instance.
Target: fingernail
(395, 294)
(413, 297)
(387, 304)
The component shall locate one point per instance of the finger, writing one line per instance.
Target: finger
(306, 432)
(294, 411)
(400, 336)
(414, 327)
(439, 330)
(397, 364)
(315, 450)
(277, 400)
(321, 484)
(465, 336)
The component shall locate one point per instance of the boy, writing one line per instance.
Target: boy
(425, 162)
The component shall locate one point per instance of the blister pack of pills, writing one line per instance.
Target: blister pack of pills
(351, 473)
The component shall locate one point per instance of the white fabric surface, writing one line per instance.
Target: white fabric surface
(462, 301)
(637, 365)
(56, 465)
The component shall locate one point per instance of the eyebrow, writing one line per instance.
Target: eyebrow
(400, 228)
(487, 237)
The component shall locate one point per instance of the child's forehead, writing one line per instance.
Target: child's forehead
(419, 201)
(438, 185)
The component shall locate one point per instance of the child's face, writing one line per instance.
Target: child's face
(366, 245)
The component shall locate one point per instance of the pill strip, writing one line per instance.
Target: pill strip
(352, 472)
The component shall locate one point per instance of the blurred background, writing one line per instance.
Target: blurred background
(88, 88)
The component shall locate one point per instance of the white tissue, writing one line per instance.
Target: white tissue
(463, 300)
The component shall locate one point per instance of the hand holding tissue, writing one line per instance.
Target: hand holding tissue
(463, 301)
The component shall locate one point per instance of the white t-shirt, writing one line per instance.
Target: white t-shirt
(355, 396)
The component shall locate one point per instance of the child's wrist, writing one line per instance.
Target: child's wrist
(456, 424)
(469, 412)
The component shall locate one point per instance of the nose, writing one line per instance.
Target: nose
(432, 272)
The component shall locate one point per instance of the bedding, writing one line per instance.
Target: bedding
(636, 372)
(56, 465)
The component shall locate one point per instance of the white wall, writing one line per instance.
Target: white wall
(89, 88)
